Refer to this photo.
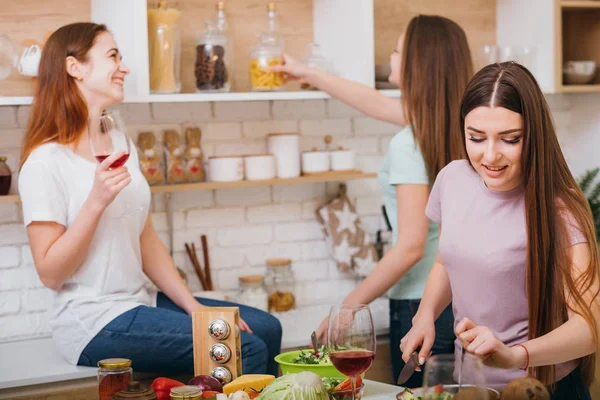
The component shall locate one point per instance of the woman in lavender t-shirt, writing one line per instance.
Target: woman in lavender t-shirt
(517, 254)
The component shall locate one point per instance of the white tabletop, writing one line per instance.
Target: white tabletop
(380, 391)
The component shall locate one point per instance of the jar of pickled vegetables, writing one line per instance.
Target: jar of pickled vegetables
(265, 55)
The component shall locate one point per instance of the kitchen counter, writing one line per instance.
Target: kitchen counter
(380, 391)
(298, 324)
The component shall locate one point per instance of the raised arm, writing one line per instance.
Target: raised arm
(358, 96)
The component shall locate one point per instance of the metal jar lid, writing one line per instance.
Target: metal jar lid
(219, 353)
(219, 329)
(187, 392)
(114, 363)
(135, 391)
(221, 374)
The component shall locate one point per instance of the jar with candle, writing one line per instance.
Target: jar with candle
(280, 285)
(252, 292)
(212, 69)
(164, 48)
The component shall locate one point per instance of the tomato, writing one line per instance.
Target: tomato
(209, 394)
(253, 395)
(438, 389)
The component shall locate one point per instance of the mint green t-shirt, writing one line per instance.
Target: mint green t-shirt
(404, 164)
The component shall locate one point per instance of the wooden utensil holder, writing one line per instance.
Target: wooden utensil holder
(203, 341)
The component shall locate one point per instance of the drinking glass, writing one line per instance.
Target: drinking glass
(351, 340)
(442, 375)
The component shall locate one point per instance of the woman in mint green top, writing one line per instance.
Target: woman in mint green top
(431, 63)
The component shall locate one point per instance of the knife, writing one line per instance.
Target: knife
(409, 368)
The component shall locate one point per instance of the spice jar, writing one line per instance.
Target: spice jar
(164, 48)
(266, 54)
(135, 391)
(114, 374)
(280, 285)
(5, 177)
(186, 393)
(252, 292)
(212, 59)
(314, 59)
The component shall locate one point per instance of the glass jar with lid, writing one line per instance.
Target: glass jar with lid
(252, 292)
(186, 393)
(5, 177)
(213, 61)
(280, 285)
(164, 47)
(314, 59)
(264, 55)
(114, 374)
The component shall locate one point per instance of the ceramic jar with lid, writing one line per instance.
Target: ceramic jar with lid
(286, 149)
(135, 391)
(252, 292)
(280, 285)
(213, 60)
(5, 177)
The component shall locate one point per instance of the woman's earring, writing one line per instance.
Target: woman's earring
(79, 78)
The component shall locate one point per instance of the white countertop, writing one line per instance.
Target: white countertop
(34, 362)
(298, 324)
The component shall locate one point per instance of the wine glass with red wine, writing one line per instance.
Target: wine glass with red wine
(108, 135)
(351, 340)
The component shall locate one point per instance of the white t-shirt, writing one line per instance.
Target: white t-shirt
(54, 183)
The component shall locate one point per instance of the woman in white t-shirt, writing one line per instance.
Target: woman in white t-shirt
(100, 263)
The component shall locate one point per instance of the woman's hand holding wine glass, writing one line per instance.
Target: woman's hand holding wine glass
(109, 182)
(111, 146)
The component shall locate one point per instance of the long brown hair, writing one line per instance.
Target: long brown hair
(436, 67)
(59, 112)
(554, 206)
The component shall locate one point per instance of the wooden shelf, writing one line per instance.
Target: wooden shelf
(186, 187)
(580, 4)
(331, 177)
(11, 198)
(580, 88)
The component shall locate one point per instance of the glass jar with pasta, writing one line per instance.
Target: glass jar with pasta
(265, 55)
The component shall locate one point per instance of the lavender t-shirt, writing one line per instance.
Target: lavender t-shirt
(483, 247)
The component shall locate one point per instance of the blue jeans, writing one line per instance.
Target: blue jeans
(401, 315)
(159, 339)
(570, 388)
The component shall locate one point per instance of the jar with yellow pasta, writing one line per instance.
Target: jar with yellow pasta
(265, 55)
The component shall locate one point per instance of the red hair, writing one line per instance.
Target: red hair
(59, 112)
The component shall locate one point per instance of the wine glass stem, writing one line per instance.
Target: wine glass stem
(353, 384)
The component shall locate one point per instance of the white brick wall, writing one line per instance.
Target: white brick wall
(246, 226)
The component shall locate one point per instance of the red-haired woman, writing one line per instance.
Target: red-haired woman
(100, 267)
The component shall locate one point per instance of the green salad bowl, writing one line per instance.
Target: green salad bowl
(323, 370)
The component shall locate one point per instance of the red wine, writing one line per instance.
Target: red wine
(118, 162)
(352, 362)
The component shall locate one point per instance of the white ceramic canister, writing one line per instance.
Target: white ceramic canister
(286, 149)
(342, 160)
(259, 167)
(315, 161)
(226, 168)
